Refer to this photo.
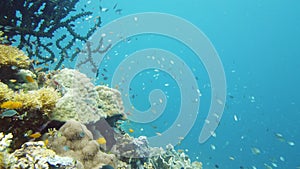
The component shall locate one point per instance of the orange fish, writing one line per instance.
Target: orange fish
(35, 135)
(29, 79)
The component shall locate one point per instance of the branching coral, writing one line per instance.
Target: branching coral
(32, 112)
(32, 24)
(43, 99)
(12, 56)
(5, 92)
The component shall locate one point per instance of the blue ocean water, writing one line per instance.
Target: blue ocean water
(257, 42)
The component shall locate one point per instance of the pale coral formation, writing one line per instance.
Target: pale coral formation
(81, 100)
(76, 141)
(110, 100)
(43, 99)
(129, 147)
(12, 56)
(5, 92)
(5, 141)
(170, 158)
(36, 155)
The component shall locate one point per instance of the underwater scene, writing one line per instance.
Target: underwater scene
(112, 84)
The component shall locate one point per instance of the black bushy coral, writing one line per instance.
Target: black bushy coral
(30, 22)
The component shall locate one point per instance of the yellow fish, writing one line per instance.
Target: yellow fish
(46, 142)
(29, 79)
(131, 130)
(101, 140)
(35, 135)
(11, 105)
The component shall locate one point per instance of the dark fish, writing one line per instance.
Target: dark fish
(107, 167)
(115, 6)
(97, 73)
(118, 11)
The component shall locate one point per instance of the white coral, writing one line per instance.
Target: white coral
(5, 141)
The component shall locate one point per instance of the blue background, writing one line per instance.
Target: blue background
(258, 43)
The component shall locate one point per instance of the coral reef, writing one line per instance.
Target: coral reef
(43, 100)
(14, 69)
(110, 100)
(5, 141)
(12, 56)
(83, 101)
(36, 155)
(23, 107)
(76, 141)
(128, 147)
(169, 158)
(5, 92)
(81, 120)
